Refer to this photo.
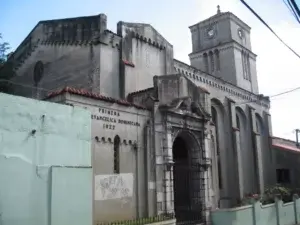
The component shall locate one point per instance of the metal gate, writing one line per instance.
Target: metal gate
(188, 193)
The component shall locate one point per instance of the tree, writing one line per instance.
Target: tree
(6, 67)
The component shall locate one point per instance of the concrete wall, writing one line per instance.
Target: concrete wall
(288, 160)
(88, 65)
(107, 123)
(64, 65)
(201, 40)
(147, 52)
(257, 214)
(36, 137)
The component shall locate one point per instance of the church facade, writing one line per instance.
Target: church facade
(169, 138)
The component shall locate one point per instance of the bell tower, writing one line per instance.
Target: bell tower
(221, 46)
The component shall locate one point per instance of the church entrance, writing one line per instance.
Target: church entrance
(186, 175)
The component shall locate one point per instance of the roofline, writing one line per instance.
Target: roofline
(87, 94)
(40, 22)
(222, 14)
(217, 78)
(284, 139)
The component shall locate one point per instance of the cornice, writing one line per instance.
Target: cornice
(220, 17)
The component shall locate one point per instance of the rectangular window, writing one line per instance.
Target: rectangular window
(283, 176)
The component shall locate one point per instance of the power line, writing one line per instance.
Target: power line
(261, 20)
(295, 6)
(290, 8)
(285, 92)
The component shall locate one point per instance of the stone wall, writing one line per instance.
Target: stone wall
(45, 151)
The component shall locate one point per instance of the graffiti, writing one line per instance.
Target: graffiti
(116, 186)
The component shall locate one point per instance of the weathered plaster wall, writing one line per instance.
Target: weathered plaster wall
(221, 94)
(36, 136)
(107, 123)
(76, 52)
(145, 53)
(64, 65)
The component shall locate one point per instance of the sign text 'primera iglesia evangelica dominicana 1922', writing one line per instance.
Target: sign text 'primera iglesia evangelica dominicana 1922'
(112, 117)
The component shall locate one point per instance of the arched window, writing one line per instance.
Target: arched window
(117, 154)
(205, 61)
(248, 68)
(243, 64)
(217, 54)
(212, 61)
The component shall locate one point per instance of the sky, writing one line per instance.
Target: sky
(277, 66)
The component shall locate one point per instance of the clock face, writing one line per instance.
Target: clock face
(240, 33)
(210, 32)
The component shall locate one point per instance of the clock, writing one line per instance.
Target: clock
(210, 32)
(240, 33)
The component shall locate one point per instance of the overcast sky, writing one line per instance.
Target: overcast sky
(277, 67)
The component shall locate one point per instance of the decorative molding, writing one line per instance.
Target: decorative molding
(147, 40)
(210, 80)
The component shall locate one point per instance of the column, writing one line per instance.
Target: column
(272, 170)
(237, 148)
(158, 132)
(214, 169)
(207, 174)
(257, 149)
(150, 178)
(168, 171)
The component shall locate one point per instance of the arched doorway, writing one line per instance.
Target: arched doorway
(186, 180)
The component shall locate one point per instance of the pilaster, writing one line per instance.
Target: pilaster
(257, 140)
(168, 170)
(269, 148)
(158, 131)
(207, 175)
(214, 170)
(237, 147)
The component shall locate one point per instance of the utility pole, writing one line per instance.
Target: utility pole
(297, 137)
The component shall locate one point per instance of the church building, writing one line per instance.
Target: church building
(168, 137)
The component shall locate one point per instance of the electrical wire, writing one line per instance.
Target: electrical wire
(285, 92)
(261, 20)
(295, 6)
(288, 5)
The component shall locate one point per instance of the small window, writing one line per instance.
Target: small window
(212, 62)
(283, 176)
(205, 61)
(217, 59)
(117, 154)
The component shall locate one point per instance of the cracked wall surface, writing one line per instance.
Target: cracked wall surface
(44, 155)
